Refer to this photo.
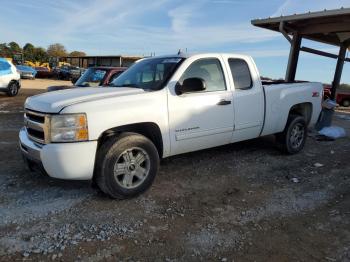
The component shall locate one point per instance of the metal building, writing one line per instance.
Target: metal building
(88, 61)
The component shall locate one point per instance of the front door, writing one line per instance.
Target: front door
(201, 119)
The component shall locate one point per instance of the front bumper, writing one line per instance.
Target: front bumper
(27, 76)
(73, 161)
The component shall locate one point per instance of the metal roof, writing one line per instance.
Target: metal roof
(104, 56)
(328, 26)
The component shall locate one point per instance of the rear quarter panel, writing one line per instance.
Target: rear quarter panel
(280, 98)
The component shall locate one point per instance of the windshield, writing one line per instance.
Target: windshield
(91, 78)
(150, 73)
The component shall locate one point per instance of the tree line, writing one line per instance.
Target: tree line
(29, 52)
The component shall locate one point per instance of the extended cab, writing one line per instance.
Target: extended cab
(160, 107)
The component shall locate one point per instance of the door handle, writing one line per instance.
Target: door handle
(223, 102)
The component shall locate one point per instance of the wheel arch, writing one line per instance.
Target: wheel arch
(302, 109)
(16, 82)
(148, 129)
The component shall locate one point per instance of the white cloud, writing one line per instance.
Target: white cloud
(125, 24)
(180, 16)
(133, 27)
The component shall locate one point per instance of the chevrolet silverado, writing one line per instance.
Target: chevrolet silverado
(160, 107)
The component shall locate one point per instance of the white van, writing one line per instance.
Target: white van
(9, 78)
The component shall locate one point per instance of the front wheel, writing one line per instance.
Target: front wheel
(126, 165)
(12, 89)
(293, 138)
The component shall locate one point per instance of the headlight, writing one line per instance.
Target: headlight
(68, 128)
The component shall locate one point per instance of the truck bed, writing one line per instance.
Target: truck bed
(278, 82)
(281, 97)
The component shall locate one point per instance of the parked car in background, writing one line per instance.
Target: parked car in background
(160, 107)
(27, 72)
(76, 73)
(67, 72)
(9, 78)
(342, 96)
(43, 72)
(93, 77)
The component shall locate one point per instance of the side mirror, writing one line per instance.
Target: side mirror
(73, 80)
(190, 85)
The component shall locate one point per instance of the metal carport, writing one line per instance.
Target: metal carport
(328, 26)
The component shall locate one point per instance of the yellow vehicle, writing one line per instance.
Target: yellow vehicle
(37, 64)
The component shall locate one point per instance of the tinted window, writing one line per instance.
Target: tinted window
(5, 67)
(210, 71)
(240, 74)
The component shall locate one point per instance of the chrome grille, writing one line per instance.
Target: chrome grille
(37, 126)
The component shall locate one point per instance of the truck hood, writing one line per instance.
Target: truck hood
(54, 102)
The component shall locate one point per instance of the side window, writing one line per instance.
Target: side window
(240, 74)
(210, 70)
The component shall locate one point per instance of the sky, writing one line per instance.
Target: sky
(142, 27)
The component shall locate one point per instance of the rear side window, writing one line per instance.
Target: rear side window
(240, 74)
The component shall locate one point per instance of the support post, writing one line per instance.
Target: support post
(326, 115)
(293, 58)
(338, 70)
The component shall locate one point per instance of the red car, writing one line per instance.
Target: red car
(342, 97)
(94, 77)
(42, 72)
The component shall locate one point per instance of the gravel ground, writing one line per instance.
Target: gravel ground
(241, 202)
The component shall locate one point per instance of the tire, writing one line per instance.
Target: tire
(12, 89)
(346, 103)
(293, 138)
(126, 165)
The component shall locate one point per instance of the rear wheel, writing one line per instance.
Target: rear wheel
(293, 138)
(12, 89)
(346, 103)
(126, 165)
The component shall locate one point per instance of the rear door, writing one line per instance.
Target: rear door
(200, 119)
(248, 97)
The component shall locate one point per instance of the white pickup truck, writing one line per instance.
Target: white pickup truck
(160, 107)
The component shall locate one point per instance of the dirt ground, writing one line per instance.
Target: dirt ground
(241, 202)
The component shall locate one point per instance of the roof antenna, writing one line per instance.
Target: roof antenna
(179, 53)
